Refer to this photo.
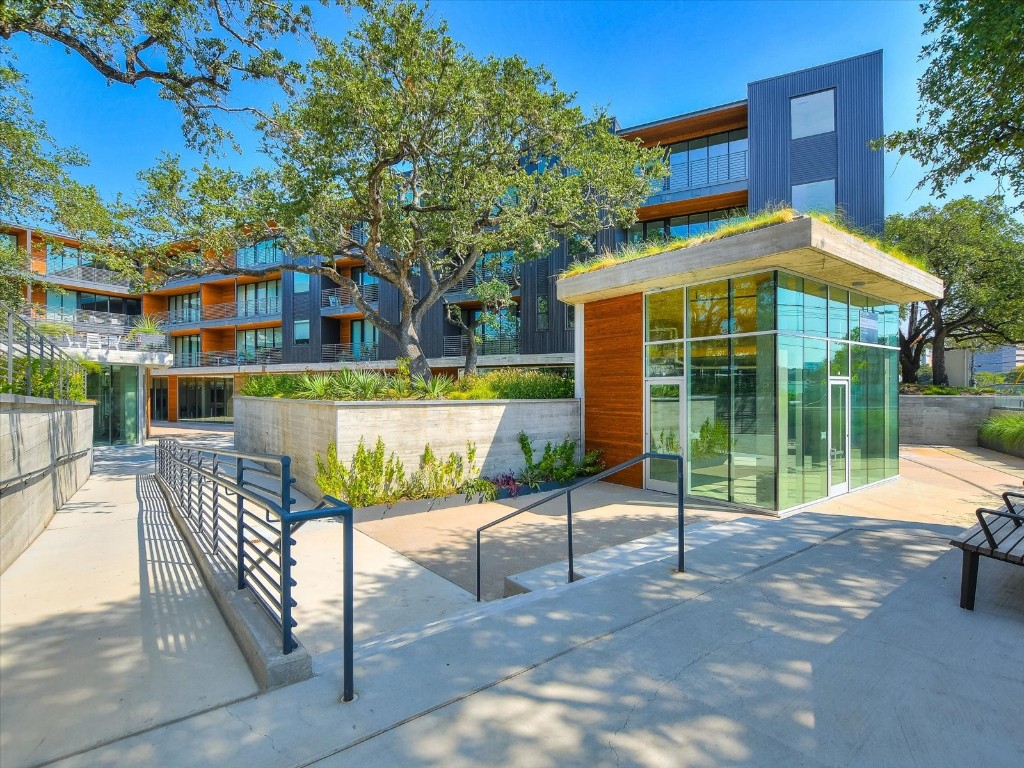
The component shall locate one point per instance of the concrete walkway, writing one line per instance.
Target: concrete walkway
(832, 638)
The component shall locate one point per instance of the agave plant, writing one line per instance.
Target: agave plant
(433, 389)
(316, 386)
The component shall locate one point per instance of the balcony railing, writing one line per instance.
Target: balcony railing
(341, 298)
(237, 309)
(455, 346)
(704, 172)
(77, 319)
(228, 357)
(91, 275)
(143, 342)
(474, 278)
(349, 353)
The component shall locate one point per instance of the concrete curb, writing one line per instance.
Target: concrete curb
(258, 638)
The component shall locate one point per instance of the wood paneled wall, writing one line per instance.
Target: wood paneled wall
(172, 398)
(613, 378)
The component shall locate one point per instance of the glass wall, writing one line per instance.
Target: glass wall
(205, 399)
(757, 354)
(115, 388)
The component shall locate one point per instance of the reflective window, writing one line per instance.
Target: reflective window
(301, 332)
(752, 475)
(543, 313)
(817, 196)
(838, 314)
(665, 315)
(813, 113)
(708, 421)
(665, 359)
(753, 303)
(790, 302)
(300, 284)
(708, 309)
(803, 420)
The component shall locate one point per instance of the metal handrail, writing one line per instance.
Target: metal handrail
(457, 346)
(567, 492)
(349, 352)
(248, 527)
(342, 298)
(20, 341)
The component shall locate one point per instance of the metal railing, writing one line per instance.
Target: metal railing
(567, 492)
(228, 357)
(701, 173)
(143, 342)
(78, 319)
(245, 308)
(341, 298)
(239, 506)
(474, 278)
(456, 346)
(349, 353)
(33, 365)
(92, 275)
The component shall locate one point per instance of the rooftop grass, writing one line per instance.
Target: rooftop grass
(633, 251)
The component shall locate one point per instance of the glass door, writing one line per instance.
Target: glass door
(839, 437)
(664, 432)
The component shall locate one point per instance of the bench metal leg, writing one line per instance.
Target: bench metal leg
(969, 580)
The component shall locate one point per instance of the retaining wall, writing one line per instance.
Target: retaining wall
(45, 456)
(303, 428)
(946, 419)
(994, 446)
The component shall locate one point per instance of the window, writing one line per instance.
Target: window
(183, 308)
(301, 332)
(9, 240)
(186, 350)
(812, 114)
(570, 317)
(542, 313)
(300, 283)
(263, 298)
(248, 341)
(817, 196)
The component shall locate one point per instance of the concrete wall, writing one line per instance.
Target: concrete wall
(942, 419)
(46, 451)
(303, 428)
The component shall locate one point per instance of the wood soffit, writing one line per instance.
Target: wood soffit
(728, 119)
(736, 199)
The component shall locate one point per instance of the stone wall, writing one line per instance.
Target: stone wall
(303, 428)
(943, 419)
(45, 456)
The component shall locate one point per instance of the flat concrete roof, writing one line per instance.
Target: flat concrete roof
(805, 246)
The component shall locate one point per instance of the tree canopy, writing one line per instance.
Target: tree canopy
(408, 152)
(977, 248)
(971, 112)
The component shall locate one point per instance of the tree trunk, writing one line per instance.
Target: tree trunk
(910, 360)
(409, 346)
(939, 375)
(470, 366)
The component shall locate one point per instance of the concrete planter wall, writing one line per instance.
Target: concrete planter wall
(944, 419)
(46, 450)
(303, 428)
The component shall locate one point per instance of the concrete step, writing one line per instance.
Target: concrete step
(629, 555)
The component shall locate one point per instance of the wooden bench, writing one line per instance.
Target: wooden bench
(999, 534)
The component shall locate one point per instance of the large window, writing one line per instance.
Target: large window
(248, 341)
(300, 282)
(818, 196)
(261, 254)
(713, 159)
(186, 350)
(263, 298)
(684, 226)
(183, 308)
(61, 257)
(813, 113)
(301, 329)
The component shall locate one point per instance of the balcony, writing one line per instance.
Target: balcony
(77, 320)
(90, 277)
(705, 172)
(339, 301)
(144, 342)
(349, 353)
(228, 357)
(455, 346)
(462, 290)
(237, 310)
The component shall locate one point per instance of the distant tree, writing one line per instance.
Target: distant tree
(495, 297)
(977, 248)
(411, 154)
(971, 113)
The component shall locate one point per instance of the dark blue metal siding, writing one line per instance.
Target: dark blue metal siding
(300, 306)
(776, 162)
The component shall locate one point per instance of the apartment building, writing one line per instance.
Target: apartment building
(800, 139)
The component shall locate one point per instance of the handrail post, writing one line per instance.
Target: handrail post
(349, 607)
(680, 488)
(240, 536)
(568, 518)
(478, 566)
(286, 556)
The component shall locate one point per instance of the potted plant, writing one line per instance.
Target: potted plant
(147, 333)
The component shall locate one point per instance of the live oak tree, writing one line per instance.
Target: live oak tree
(193, 50)
(971, 113)
(408, 152)
(977, 248)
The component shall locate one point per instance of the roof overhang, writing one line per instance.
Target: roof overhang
(805, 246)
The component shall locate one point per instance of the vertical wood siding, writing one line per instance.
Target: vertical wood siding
(613, 379)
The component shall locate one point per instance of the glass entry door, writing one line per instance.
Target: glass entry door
(839, 437)
(664, 432)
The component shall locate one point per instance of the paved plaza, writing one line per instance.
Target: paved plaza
(830, 638)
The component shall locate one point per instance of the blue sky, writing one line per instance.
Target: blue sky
(641, 60)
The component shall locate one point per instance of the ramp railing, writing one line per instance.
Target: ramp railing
(239, 506)
(567, 492)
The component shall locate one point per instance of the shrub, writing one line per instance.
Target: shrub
(371, 477)
(712, 440)
(1006, 429)
(557, 462)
